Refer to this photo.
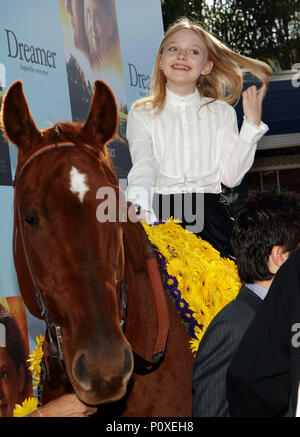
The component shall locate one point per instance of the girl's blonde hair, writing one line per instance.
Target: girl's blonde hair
(224, 82)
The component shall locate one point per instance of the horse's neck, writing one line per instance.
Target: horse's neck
(142, 323)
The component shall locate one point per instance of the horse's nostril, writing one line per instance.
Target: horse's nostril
(128, 360)
(80, 372)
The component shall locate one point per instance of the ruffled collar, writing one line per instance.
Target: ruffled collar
(177, 99)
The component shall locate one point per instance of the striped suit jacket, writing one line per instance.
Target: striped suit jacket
(215, 353)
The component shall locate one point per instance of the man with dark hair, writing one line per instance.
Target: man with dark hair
(266, 231)
(263, 377)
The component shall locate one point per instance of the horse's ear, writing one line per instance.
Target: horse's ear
(102, 120)
(17, 122)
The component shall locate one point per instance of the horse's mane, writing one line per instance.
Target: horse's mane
(72, 132)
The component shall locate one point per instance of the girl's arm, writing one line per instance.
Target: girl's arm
(238, 148)
(141, 178)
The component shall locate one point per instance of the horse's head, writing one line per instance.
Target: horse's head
(75, 262)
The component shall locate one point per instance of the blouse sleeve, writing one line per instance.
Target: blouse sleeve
(141, 178)
(238, 149)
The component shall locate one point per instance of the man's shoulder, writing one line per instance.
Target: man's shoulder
(228, 327)
(240, 311)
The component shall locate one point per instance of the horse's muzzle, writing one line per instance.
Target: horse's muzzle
(99, 382)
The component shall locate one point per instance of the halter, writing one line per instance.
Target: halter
(55, 346)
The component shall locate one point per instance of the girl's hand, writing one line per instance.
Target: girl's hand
(146, 216)
(252, 103)
(66, 406)
(137, 214)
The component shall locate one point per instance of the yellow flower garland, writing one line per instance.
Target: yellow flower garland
(35, 359)
(207, 281)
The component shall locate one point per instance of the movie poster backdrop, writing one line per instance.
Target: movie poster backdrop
(16, 379)
(58, 48)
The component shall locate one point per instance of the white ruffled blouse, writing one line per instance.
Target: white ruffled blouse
(188, 149)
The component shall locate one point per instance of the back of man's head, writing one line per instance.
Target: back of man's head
(264, 220)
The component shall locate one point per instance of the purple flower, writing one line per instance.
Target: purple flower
(170, 283)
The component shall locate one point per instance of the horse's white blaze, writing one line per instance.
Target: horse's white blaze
(78, 183)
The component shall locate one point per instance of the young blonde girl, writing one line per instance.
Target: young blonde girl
(183, 138)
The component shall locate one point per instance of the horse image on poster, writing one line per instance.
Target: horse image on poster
(112, 335)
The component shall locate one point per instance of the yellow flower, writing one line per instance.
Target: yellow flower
(194, 342)
(27, 407)
(35, 359)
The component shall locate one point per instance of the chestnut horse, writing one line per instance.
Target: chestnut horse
(85, 277)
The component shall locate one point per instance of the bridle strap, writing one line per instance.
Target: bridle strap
(161, 309)
(51, 326)
(44, 149)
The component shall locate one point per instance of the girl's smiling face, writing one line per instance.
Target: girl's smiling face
(183, 60)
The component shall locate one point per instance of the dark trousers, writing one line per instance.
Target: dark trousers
(206, 215)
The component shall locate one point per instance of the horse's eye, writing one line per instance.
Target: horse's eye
(31, 218)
